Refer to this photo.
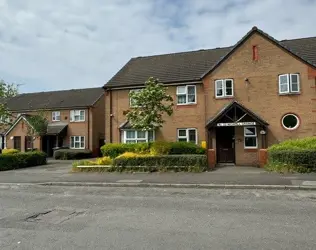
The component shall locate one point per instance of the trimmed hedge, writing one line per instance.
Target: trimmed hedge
(8, 151)
(156, 148)
(174, 161)
(305, 143)
(72, 154)
(22, 160)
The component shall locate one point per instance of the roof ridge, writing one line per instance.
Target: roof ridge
(59, 90)
(182, 52)
(301, 38)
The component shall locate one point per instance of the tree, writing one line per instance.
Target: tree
(38, 126)
(7, 90)
(149, 105)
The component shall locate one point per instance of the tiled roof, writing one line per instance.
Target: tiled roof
(192, 65)
(55, 99)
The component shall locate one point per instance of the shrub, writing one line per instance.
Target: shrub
(104, 161)
(160, 148)
(72, 154)
(130, 155)
(99, 161)
(10, 151)
(22, 160)
(186, 148)
(115, 149)
(305, 143)
(177, 161)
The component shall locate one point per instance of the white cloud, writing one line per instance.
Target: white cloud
(57, 44)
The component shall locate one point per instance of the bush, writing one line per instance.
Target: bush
(10, 151)
(158, 163)
(22, 160)
(99, 161)
(156, 148)
(305, 143)
(115, 149)
(104, 161)
(186, 148)
(72, 154)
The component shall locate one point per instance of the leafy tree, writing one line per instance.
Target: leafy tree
(38, 124)
(7, 90)
(149, 105)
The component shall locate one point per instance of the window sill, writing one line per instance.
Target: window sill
(76, 121)
(282, 94)
(186, 105)
(251, 149)
(224, 97)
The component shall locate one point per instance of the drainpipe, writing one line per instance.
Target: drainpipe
(89, 128)
(111, 117)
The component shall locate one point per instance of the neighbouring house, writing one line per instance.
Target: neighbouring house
(238, 99)
(75, 120)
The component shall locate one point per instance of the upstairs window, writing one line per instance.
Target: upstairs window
(77, 115)
(187, 135)
(186, 94)
(56, 116)
(289, 83)
(224, 88)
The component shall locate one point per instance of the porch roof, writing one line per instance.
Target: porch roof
(234, 104)
(56, 129)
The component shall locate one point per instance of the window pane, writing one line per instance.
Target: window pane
(250, 131)
(182, 132)
(181, 90)
(284, 88)
(283, 79)
(182, 99)
(191, 90)
(72, 142)
(130, 134)
(294, 87)
(191, 98)
(290, 121)
(192, 135)
(182, 139)
(150, 136)
(77, 145)
(229, 91)
(294, 78)
(141, 141)
(130, 141)
(229, 83)
(250, 141)
(219, 88)
(141, 134)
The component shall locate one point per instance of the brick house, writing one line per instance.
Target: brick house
(75, 120)
(238, 99)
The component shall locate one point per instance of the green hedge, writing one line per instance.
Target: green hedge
(22, 160)
(173, 161)
(72, 154)
(305, 143)
(115, 149)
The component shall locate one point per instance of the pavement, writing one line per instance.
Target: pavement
(36, 217)
(59, 172)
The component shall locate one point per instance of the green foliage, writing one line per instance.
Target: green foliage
(72, 154)
(22, 160)
(160, 148)
(284, 168)
(9, 151)
(39, 124)
(305, 143)
(7, 90)
(115, 149)
(149, 105)
(155, 148)
(178, 161)
(99, 161)
(186, 148)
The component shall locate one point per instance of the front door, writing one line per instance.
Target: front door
(225, 144)
(17, 142)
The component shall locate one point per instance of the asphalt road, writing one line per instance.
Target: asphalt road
(33, 217)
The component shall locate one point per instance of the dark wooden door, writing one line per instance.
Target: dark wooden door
(225, 144)
(17, 142)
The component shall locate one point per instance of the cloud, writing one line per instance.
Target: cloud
(57, 44)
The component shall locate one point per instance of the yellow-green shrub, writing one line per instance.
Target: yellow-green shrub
(104, 161)
(10, 151)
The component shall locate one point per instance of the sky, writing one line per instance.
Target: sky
(65, 44)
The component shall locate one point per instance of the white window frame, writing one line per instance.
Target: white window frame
(289, 83)
(79, 141)
(54, 116)
(186, 93)
(223, 81)
(76, 112)
(255, 135)
(131, 99)
(187, 134)
(136, 138)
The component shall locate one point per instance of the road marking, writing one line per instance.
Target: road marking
(309, 183)
(129, 181)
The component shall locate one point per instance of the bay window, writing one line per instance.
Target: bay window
(137, 136)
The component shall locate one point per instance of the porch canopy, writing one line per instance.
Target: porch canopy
(56, 129)
(235, 114)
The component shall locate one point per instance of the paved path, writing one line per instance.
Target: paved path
(59, 171)
(81, 218)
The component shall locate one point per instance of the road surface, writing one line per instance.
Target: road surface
(33, 217)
